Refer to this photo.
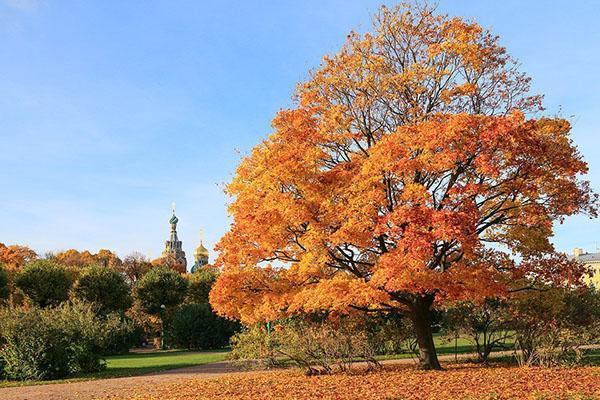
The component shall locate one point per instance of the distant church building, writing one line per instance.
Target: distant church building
(174, 254)
(200, 257)
(173, 248)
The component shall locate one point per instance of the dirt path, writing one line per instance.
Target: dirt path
(96, 389)
(116, 387)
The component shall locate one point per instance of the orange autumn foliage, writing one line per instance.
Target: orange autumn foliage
(171, 262)
(78, 259)
(15, 256)
(406, 155)
(458, 382)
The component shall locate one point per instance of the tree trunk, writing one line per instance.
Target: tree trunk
(420, 315)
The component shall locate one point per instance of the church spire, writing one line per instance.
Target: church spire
(173, 246)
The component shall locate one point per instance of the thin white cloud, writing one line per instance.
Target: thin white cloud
(23, 5)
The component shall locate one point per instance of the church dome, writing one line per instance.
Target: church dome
(173, 220)
(201, 251)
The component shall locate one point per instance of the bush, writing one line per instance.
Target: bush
(195, 326)
(315, 345)
(121, 334)
(104, 287)
(33, 345)
(44, 283)
(255, 344)
(51, 343)
(552, 325)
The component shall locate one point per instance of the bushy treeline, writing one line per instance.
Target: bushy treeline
(549, 326)
(54, 342)
(59, 316)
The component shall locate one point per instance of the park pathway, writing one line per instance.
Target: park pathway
(116, 387)
(103, 388)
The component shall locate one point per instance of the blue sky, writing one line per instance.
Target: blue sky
(111, 110)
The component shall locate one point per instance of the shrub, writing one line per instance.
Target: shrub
(51, 343)
(255, 344)
(34, 347)
(44, 283)
(104, 287)
(195, 326)
(552, 325)
(122, 334)
(315, 345)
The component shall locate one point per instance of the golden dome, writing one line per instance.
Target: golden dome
(200, 251)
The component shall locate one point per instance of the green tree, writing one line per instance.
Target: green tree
(200, 283)
(4, 289)
(195, 326)
(44, 283)
(159, 291)
(105, 287)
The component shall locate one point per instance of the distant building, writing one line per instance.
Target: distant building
(173, 247)
(200, 256)
(592, 260)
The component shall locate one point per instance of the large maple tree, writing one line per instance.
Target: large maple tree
(414, 168)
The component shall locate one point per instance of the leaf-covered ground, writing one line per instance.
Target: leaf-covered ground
(457, 382)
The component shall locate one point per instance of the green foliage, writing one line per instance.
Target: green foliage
(160, 286)
(200, 283)
(34, 346)
(44, 283)
(104, 287)
(4, 288)
(51, 343)
(120, 334)
(255, 343)
(195, 326)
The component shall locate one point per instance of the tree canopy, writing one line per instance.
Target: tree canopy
(161, 286)
(44, 283)
(200, 284)
(79, 259)
(15, 256)
(414, 168)
(105, 287)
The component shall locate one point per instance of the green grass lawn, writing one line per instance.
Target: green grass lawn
(137, 364)
(443, 346)
(142, 363)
